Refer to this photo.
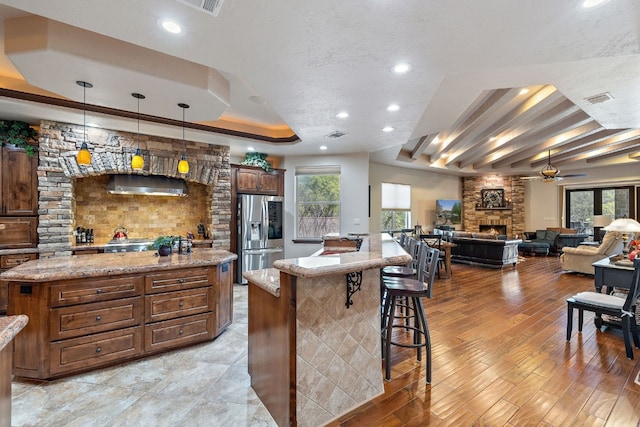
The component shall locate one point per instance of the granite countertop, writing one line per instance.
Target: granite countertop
(9, 328)
(19, 251)
(375, 252)
(268, 279)
(82, 266)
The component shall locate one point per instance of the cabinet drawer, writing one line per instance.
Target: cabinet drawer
(92, 290)
(178, 304)
(178, 280)
(77, 320)
(178, 332)
(14, 260)
(80, 354)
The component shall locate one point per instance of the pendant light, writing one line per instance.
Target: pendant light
(183, 164)
(84, 155)
(137, 161)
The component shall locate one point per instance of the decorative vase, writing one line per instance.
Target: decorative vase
(164, 250)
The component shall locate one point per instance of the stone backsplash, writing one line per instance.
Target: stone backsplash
(142, 216)
(59, 176)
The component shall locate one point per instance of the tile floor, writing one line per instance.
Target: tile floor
(203, 385)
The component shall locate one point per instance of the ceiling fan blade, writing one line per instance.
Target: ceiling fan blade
(529, 178)
(573, 175)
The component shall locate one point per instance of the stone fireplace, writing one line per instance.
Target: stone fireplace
(509, 216)
(59, 173)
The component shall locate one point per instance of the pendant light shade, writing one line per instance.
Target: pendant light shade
(137, 161)
(183, 164)
(84, 155)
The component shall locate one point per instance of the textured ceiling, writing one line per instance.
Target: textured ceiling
(291, 66)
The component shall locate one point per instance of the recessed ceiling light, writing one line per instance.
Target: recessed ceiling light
(171, 26)
(387, 129)
(323, 147)
(523, 91)
(251, 149)
(393, 107)
(342, 115)
(93, 125)
(401, 68)
(593, 3)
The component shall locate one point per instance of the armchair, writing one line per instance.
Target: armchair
(580, 259)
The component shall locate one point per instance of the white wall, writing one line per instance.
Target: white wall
(426, 188)
(354, 196)
(542, 205)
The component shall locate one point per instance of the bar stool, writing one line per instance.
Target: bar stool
(395, 289)
(412, 247)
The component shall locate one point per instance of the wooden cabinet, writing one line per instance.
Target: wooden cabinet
(18, 232)
(81, 324)
(7, 262)
(19, 182)
(254, 180)
(224, 297)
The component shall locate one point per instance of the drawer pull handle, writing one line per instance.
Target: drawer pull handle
(99, 291)
(98, 318)
(181, 303)
(181, 281)
(98, 349)
(181, 332)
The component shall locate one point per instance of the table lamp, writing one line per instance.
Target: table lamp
(599, 221)
(624, 226)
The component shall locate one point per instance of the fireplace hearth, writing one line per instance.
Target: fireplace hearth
(493, 229)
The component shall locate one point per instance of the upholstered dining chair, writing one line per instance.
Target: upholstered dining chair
(620, 307)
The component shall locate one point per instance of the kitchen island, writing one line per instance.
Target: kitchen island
(314, 331)
(92, 311)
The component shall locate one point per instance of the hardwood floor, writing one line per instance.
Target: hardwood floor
(500, 358)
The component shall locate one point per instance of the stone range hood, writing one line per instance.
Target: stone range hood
(111, 154)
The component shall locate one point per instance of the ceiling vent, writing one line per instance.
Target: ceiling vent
(211, 7)
(336, 134)
(600, 98)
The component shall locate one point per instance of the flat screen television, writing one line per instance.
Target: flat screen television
(448, 212)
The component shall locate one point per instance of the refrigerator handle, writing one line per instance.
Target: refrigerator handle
(265, 222)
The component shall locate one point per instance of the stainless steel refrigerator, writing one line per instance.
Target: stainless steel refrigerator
(260, 228)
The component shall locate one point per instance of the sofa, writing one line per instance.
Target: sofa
(580, 259)
(557, 238)
(484, 249)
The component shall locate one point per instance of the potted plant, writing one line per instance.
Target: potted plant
(18, 133)
(164, 245)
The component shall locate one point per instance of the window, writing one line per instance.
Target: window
(583, 204)
(317, 201)
(396, 206)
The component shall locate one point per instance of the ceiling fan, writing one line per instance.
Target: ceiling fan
(549, 173)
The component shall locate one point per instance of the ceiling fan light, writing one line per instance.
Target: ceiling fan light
(549, 171)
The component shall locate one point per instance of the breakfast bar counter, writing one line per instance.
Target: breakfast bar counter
(314, 331)
(91, 311)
